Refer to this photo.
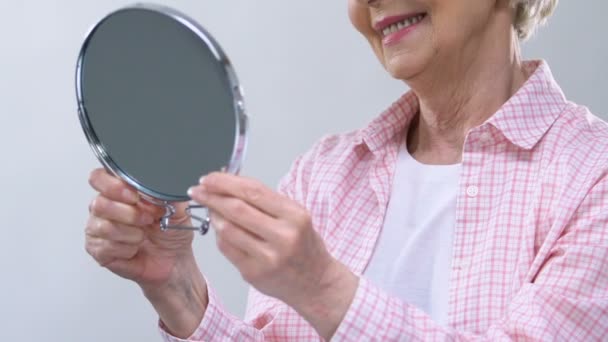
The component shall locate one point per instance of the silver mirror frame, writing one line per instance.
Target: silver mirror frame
(241, 129)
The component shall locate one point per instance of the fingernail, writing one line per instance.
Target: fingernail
(146, 219)
(197, 191)
(130, 196)
(202, 180)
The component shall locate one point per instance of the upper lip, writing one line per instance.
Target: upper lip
(385, 22)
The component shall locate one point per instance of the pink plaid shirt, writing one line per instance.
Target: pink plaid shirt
(530, 259)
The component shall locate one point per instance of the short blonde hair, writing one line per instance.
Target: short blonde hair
(529, 14)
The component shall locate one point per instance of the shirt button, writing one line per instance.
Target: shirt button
(472, 191)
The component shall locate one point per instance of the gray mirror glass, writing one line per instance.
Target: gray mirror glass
(159, 101)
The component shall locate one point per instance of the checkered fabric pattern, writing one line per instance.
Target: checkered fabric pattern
(530, 258)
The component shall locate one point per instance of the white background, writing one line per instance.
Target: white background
(306, 73)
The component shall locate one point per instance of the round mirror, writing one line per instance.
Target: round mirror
(159, 103)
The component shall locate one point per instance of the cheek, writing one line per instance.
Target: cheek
(457, 21)
(361, 20)
(359, 16)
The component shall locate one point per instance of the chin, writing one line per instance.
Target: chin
(404, 68)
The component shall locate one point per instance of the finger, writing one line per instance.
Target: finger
(235, 255)
(93, 248)
(104, 229)
(248, 190)
(237, 237)
(252, 258)
(112, 187)
(241, 214)
(106, 252)
(120, 212)
(151, 208)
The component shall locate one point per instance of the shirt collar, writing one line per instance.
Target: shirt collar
(523, 119)
(529, 114)
(391, 123)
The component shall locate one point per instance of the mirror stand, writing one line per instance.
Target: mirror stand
(203, 223)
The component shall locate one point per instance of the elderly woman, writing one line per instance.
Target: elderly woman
(474, 207)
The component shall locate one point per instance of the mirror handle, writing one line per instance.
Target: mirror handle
(204, 223)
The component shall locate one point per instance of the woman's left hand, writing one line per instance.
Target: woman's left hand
(271, 240)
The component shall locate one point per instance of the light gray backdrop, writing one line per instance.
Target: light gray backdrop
(306, 73)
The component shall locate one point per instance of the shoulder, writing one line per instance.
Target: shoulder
(331, 149)
(325, 159)
(581, 135)
(334, 146)
(335, 157)
(377, 135)
(581, 162)
(575, 150)
(582, 122)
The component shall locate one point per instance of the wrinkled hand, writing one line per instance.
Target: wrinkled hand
(271, 240)
(123, 234)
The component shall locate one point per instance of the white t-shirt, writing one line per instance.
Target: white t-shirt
(412, 258)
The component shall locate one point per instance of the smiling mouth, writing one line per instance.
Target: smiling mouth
(403, 24)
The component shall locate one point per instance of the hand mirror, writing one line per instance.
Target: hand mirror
(160, 104)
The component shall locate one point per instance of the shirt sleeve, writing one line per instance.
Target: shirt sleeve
(566, 300)
(218, 325)
(262, 319)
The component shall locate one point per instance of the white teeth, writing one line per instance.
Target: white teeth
(402, 24)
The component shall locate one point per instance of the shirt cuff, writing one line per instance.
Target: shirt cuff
(215, 326)
(365, 316)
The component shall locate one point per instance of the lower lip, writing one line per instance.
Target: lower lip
(396, 37)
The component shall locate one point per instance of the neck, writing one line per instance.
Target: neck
(462, 94)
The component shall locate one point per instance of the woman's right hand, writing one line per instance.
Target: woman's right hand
(123, 234)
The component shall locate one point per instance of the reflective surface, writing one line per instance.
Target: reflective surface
(158, 102)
